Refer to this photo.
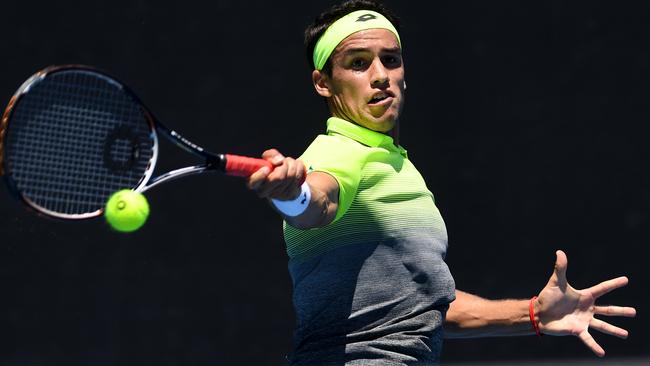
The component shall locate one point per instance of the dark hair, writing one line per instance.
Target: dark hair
(320, 24)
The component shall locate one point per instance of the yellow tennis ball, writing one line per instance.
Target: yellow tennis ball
(126, 210)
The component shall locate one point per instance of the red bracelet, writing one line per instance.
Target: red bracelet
(531, 312)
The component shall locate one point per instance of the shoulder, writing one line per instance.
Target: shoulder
(335, 150)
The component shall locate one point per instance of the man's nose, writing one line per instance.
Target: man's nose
(379, 74)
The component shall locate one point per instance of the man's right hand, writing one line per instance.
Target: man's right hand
(283, 183)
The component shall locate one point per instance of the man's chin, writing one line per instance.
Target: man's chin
(380, 126)
(385, 123)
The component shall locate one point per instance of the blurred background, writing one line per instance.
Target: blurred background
(528, 120)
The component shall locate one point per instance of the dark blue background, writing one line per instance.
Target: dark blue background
(529, 121)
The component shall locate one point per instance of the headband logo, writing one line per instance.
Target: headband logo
(366, 17)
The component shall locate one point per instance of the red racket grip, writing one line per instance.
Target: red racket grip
(243, 166)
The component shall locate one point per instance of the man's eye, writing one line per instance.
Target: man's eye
(391, 60)
(358, 63)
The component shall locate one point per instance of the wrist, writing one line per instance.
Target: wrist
(533, 314)
(297, 205)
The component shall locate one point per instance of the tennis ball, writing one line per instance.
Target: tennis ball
(126, 210)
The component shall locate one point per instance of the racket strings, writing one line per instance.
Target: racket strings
(63, 150)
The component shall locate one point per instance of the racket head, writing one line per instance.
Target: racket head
(70, 137)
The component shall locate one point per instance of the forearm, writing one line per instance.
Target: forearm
(470, 316)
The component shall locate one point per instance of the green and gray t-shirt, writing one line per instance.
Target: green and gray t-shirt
(372, 287)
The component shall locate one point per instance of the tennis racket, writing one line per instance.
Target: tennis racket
(73, 135)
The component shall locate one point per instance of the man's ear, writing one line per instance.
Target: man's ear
(321, 83)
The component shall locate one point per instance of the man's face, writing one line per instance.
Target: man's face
(367, 81)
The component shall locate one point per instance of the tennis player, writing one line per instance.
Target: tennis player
(365, 240)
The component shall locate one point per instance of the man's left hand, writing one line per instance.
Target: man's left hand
(563, 310)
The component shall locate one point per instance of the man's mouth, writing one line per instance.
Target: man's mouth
(380, 97)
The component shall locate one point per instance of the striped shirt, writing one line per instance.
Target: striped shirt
(372, 287)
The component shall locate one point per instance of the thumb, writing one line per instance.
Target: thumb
(558, 278)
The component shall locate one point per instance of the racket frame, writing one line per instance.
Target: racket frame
(213, 161)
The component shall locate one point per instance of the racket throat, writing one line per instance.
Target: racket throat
(175, 174)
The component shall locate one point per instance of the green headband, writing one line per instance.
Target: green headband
(339, 30)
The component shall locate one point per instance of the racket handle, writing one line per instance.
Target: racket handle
(243, 166)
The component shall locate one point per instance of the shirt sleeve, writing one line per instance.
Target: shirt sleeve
(341, 158)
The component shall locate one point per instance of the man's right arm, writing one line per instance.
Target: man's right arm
(284, 183)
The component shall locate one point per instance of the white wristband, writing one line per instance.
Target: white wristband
(297, 205)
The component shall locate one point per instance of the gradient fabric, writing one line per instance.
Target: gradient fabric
(371, 288)
(379, 190)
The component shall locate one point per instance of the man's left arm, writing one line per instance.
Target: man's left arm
(559, 310)
(472, 316)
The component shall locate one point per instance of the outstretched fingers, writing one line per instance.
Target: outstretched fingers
(611, 310)
(589, 341)
(607, 328)
(607, 286)
(558, 278)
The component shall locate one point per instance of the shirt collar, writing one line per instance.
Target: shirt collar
(363, 135)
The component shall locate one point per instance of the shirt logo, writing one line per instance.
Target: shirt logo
(366, 17)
